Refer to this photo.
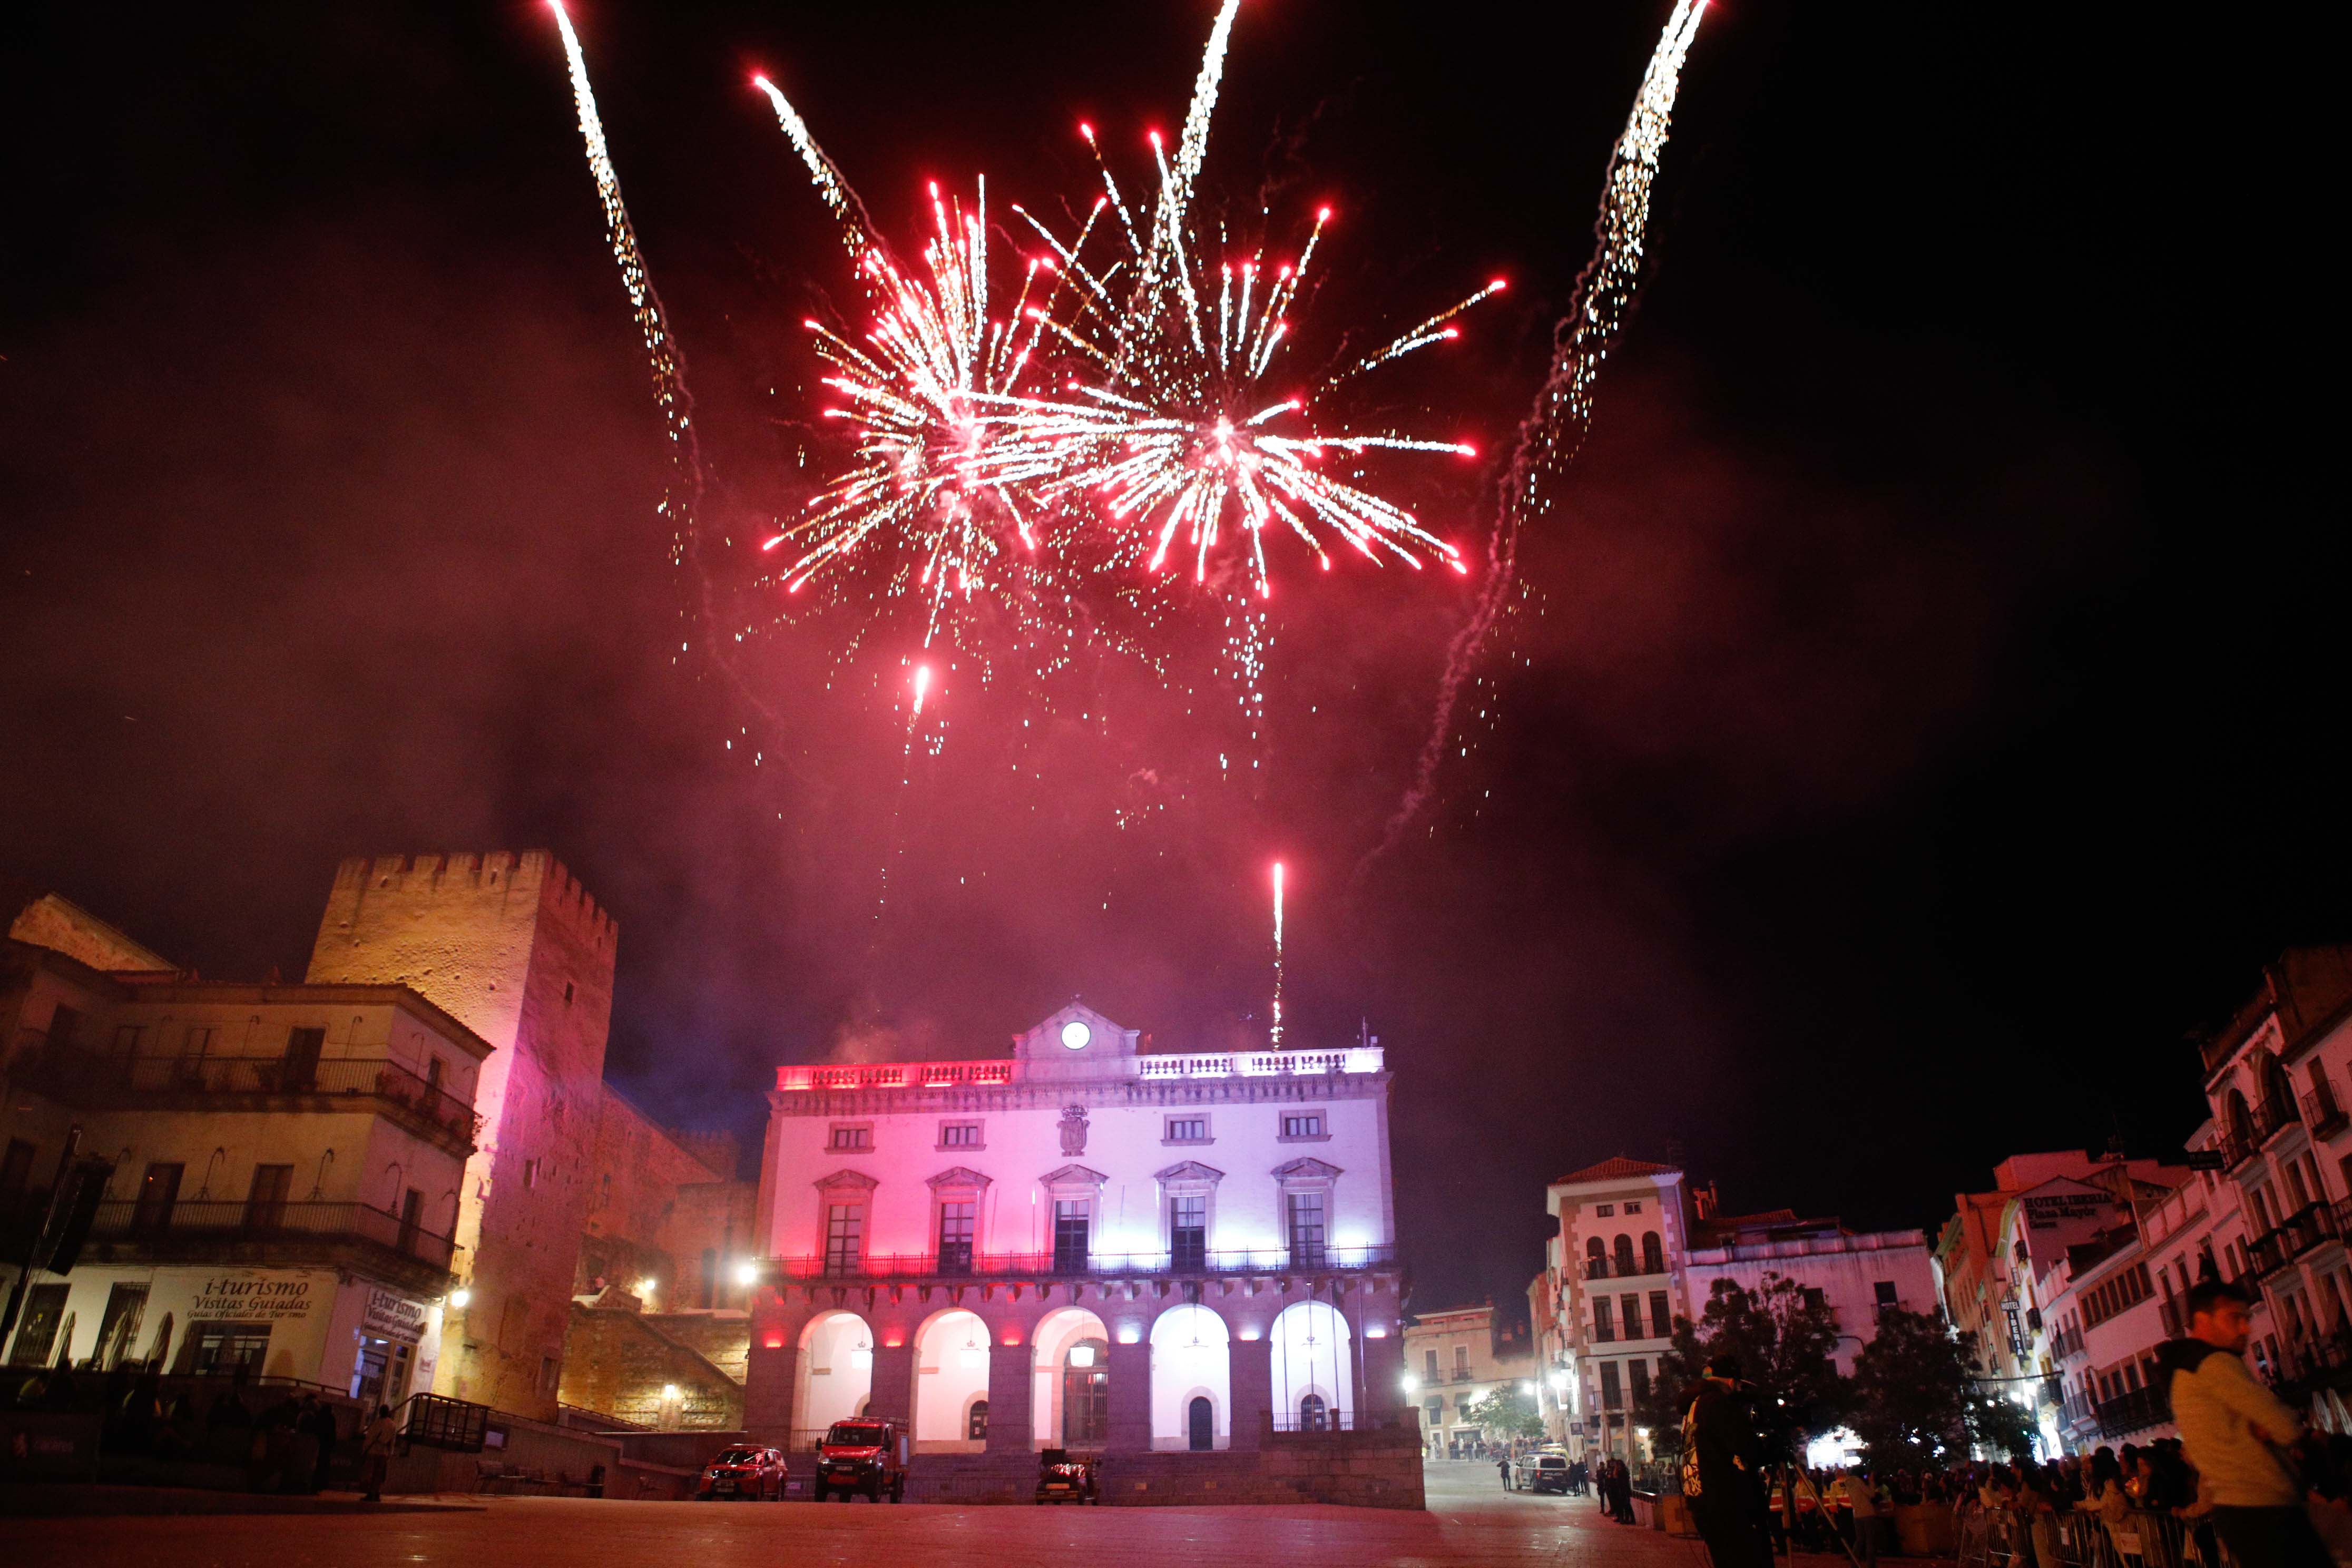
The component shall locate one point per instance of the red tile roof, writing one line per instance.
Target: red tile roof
(1617, 1169)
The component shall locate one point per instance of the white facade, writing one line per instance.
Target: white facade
(1081, 1244)
(285, 1163)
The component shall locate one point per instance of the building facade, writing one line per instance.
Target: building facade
(1636, 1249)
(1081, 1246)
(513, 947)
(285, 1163)
(1456, 1358)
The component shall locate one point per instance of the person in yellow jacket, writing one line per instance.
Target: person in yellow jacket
(2234, 1431)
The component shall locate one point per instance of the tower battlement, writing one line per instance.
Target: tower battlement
(505, 871)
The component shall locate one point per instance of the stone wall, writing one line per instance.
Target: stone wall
(619, 1363)
(514, 948)
(1367, 1469)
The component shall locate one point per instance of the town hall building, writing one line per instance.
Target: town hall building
(1160, 1258)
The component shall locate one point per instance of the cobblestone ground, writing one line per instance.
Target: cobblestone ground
(1471, 1520)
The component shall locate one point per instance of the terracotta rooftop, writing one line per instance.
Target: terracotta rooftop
(1616, 1169)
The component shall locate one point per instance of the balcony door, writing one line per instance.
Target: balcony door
(265, 1201)
(299, 1074)
(1188, 1232)
(159, 1194)
(1073, 1219)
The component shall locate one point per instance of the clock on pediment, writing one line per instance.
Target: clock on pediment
(1076, 1043)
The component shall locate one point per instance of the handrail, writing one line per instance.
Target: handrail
(1048, 1265)
(88, 1076)
(248, 1220)
(1158, 1067)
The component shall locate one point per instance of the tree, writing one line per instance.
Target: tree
(1507, 1412)
(1997, 1423)
(1912, 1387)
(1785, 1339)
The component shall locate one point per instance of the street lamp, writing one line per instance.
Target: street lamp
(746, 1273)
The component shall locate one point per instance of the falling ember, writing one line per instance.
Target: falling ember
(923, 685)
(1276, 1031)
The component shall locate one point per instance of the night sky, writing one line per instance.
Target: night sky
(1916, 731)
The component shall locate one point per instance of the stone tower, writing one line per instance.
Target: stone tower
(513, 947)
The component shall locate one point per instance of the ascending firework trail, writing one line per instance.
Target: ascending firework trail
(1554, 430)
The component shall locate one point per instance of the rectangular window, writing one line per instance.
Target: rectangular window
(858, 1137)
(1883, 1290)
(264, 1200)
(158, 1194)
(1306, 1124)
(959, 1135)
(1305, 1230)
(1605, 1211)
(299, 1072)
(956, 1222)
(1461, 1363)
(845, 1226)
(1634, 1207)
(1632, 1305)
(1429, 1370)
(117, 1330)
(1188, 1231)
(1661, 1316)
(1604, 1328)
(36, 1334)
(224, 1347)
(1072, 1220)
(1639, 1372)
(1187, 1130)
(16, 1175)
(1613, 1397)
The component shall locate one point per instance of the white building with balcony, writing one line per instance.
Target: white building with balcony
(1081, 1246)
(282, 1164)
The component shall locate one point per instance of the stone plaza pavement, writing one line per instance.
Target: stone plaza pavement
(1471, 1520)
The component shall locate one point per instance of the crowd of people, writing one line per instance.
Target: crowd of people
(289, 1444)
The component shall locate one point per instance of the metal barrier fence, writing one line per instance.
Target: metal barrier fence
(1997, 1538)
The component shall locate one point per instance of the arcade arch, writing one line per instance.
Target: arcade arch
(950, 1376)
(1191, 1360)
(837, 1374)
(1314, 1355)
(1070, 1373)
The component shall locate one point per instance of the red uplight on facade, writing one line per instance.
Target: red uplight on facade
(893, 1344)
(775, 1342)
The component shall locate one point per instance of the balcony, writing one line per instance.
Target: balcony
(2297, 1234)
(959, 1265)
(1602, 1268)
(234, 1230)
(2321, 1113)
(2271, 1117)
(257, 1083)
(2134, 1411)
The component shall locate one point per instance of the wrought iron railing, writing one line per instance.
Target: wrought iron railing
(983, 1265)
(79, 1075)
(2320, 1111)
(226, 1221)
(2134, 1411)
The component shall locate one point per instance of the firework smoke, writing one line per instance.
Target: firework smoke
(1554, 430)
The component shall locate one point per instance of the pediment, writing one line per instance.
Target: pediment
(1189, 1171)
(1074, 1176)
(1305, 1169)
(957, 1176)
(857, 1179)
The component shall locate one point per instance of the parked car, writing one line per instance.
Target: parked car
(1061, 1479)
(1539, 1473)
(746, 1473)
(866, 1453)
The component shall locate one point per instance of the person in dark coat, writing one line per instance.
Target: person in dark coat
(320, 1422)
(1722, 1466)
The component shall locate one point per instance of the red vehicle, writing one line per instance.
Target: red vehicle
(746, 1473)
(1065, 1477)
(866, 1454)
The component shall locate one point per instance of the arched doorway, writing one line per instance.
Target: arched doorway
(1190, 1363)
(951, 1374)
(1313, 1359)
(836, 1374)
(1070, 1405)
(1201, 1425)
(1312, 1416)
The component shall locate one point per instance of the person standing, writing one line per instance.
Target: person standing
(382, 1435)
(2233, 1429)
(1721, 1468)
(1504, 1465)
(322, 1431)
